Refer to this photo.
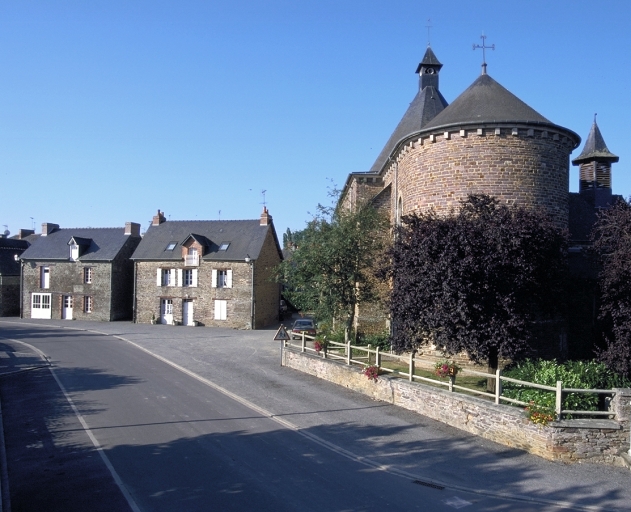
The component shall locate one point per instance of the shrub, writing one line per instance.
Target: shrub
(573, 374)
(381, 340)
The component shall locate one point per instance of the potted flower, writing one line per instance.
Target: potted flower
(539, 414)
(371, 372)
(446, 368)
(319, 345)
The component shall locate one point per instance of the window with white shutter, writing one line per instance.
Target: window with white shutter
(214, 278)
(179, 278)
(221, 308)
(228, 278)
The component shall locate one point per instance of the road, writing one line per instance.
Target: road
(206, 419)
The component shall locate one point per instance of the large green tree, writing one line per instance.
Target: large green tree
(331, 269)
(477, 280)
(612, 243)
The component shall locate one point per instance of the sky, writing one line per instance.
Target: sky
(111, 110)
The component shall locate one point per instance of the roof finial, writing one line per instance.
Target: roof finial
(429, 26)
(595, 114)
(484, 47)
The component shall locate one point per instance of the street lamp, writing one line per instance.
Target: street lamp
(250, 261)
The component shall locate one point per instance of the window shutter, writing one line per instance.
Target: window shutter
(217, 309)
(173, 276)
(229, 279)
(213, 284)
(194, 283)
(179, 278)
(159, 277)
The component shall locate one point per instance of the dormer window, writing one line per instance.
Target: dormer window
(224, 246)
(78, 247)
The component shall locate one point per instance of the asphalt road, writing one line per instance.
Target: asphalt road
(214, 423)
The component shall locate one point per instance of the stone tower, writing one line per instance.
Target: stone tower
(487, 141)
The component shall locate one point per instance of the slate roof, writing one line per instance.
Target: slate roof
(9, 247)
(485, 100)
(595, 148)
(429, 59)
(246, 238)
(105, 244)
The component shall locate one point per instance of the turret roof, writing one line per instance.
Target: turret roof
(429, 59)
(595, 148)
(425, 106)
(486, 101)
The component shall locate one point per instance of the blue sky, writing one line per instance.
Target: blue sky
(111, 110)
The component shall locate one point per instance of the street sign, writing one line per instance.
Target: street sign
(281, 334)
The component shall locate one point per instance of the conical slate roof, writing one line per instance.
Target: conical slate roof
(429, 59)
(486, 101)
(425, 106)
(595, 148)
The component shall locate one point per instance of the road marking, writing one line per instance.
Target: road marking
(130, 500)
(323, 442)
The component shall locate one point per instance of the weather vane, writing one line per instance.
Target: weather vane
(484, 47)
(429, 26)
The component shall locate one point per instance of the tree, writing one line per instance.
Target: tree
(477, 280)
(330, 270)
(611, 237)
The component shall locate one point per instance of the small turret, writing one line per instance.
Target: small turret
(595, 169)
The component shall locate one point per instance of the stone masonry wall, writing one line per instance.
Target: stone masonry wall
(66, 278)
(149, 294)
(123, 281)
(9, 295)
(266, 289)
(239, 306)
(524, 166)
(569, 441)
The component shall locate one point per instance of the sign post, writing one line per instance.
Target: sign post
(282, 336)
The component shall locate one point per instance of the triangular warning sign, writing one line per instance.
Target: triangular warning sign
(281, 334)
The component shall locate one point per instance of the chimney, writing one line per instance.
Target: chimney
(48, 228)
(266, 218)
(23, 233)
(132, 228)
(158, 219)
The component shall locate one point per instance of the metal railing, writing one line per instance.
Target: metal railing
(191, 260)
(366, 356)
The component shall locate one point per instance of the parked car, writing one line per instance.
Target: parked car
(305, 325)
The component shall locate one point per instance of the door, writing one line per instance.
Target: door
(187, 312)
(66, 309)
(166, 310)
(40, 305)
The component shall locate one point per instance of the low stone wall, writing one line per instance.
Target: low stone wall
(573, 440)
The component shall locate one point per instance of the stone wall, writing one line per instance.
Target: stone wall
(599, 441)
(517, 165)
(149, 295)
(266, 289)
(66, 278)
(203, 296)
(9, 295)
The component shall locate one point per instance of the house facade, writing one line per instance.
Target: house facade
(209, 273)
(80, 273)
